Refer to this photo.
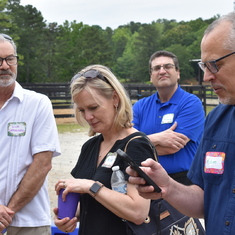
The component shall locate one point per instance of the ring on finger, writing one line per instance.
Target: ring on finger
(63, 184)
(1, 223)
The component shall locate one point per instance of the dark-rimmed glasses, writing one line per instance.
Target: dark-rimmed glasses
(211, 64)
(10, 60)
(166, 67)
(92, 73)
(6, 36)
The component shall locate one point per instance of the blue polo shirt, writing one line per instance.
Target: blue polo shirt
(151, 116)
(213, 169)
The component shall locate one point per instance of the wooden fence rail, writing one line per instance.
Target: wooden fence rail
(59, 93)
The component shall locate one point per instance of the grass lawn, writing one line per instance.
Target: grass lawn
(71, 127)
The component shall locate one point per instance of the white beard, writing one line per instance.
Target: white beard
(7, 80)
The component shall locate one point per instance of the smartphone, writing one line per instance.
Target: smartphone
(135, 167)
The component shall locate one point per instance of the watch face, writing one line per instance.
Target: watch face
(95, 187)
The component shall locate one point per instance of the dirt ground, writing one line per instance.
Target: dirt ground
(62, 165)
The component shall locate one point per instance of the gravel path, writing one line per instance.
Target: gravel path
(62, 165)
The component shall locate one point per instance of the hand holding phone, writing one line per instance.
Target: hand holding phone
(135, 167)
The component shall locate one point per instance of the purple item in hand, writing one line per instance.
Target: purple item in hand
(68, 207)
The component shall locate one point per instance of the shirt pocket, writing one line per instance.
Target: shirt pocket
(214, 179)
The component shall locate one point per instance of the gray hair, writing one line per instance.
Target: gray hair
(5, 37)
(230, 17)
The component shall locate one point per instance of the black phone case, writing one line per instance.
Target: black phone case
(141, 173)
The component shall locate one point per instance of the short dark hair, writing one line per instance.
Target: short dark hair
(166, 54)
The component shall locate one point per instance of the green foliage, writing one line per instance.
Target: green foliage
(6, 23)
(144, 44)
(120, 38)
(186, 70)
(54, 53)
(30, 29)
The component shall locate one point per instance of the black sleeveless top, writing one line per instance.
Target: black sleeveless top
(95, 219)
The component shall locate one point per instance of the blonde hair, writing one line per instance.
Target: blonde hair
(106, 89)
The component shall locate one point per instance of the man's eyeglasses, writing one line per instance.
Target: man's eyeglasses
(211, 65)
(92, 73)
(6, 36)
(10, 60)
(166, 67)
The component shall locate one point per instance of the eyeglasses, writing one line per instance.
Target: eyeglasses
(92, 73)
(10, 60)
(166, 67)
(6, 36)
(211, 65)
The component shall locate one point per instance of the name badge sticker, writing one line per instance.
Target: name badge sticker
(16, 129)
(214, 163)
(109, 160)
(167, 118)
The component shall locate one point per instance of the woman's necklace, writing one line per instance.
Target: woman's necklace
(101, 153)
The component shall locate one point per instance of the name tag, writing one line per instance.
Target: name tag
(109, 160)
(168, 118)
(214, 162)
(16, 129)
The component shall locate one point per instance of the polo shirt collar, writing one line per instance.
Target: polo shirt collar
(174, 99)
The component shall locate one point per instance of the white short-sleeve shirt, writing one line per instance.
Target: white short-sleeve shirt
(27, 127)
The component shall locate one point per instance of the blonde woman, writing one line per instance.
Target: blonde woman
(101, 101)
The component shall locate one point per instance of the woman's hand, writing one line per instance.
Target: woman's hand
(73, 185)
(66, 224)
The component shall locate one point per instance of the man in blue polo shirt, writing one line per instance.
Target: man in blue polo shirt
(172, 118)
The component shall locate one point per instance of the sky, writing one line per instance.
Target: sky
(113, 13)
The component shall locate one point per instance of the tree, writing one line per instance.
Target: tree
(145, 44)
(120, 38)
(53, 53)
(186, 70)
(68, 49)
(6, 23)
(31, 31)
(50, 53)
(125, 63)
(95, 47)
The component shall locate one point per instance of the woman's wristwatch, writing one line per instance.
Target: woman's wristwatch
(94, 189)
